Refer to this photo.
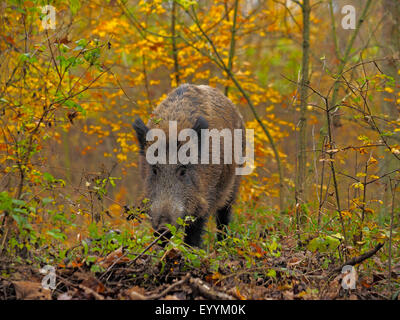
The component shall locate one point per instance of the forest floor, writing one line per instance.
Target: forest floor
(293, 275)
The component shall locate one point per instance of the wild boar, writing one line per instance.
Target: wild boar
(197, 190)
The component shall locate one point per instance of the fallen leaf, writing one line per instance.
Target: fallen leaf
(334, 287)
(27, 290)
(171, 297)
(115, 257)
(288, 295)
(135, 293)
(64, 296)
(94, 284)
(171, 254)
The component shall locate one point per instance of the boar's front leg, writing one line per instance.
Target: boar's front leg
(223, 218)
(194, 231)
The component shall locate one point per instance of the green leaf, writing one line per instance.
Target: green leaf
(18, 202)
(74, 6)
(76, 106)
(47, 200)
(48, 177)
(91, 259)
(85, 247)
(323, 244)
(271, 273)
(56, 234)
(21, 221)
(186, 3)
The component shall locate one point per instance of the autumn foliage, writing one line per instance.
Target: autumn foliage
(69, 182)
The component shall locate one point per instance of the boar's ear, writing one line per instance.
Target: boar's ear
(141, 131)
(201, 123)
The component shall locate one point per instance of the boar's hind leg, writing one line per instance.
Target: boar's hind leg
(193, 232)
(223, 218)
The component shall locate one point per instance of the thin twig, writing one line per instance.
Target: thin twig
(361, 258)
(148, 247)
(170, 288)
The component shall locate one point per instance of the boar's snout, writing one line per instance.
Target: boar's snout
(160, 221)
(165, 211)
(159, 225)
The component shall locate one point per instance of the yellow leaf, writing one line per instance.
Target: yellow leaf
(369, 210)
(372, 160)
(358, 185)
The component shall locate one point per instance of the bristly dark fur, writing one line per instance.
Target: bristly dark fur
(197, 190)
(141, 131)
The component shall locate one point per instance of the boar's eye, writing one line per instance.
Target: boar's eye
(154, 169)
(182, 171)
